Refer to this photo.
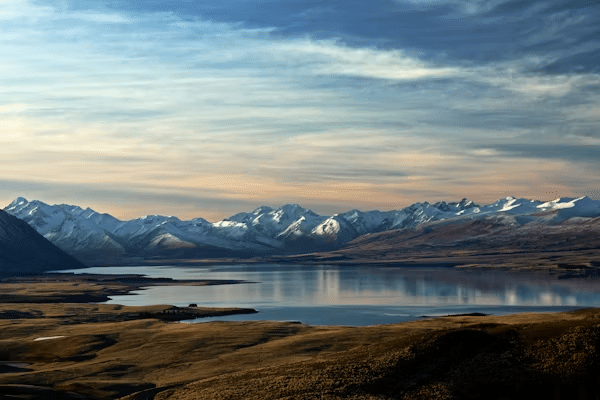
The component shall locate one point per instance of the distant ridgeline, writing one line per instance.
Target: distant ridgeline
(289, 229)
(25, 251)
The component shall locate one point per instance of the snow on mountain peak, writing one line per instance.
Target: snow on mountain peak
(289, 211)
(453, 207)
(568, 207)
(262, 210)
(511, 203)
(19, 201)
(464, 203)
(329, 227)
(76, 229)
(564, 202)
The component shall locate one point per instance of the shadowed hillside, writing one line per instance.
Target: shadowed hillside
(24, 251)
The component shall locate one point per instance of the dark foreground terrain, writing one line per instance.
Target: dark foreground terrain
(74, 350)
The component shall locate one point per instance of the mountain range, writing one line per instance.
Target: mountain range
(292, 229)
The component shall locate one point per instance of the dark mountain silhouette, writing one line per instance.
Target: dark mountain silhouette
(24, 251)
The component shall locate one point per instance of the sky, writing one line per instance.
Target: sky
(209, 108)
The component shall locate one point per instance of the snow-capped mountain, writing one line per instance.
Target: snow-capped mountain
(70, 227)
(515, 233)
(91, 235)
(266, 230)
(25, 251)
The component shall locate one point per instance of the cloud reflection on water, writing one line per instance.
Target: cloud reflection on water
(287, 285)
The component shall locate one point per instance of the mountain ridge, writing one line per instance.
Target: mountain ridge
(289, 229)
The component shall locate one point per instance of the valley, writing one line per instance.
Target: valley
(60, 338)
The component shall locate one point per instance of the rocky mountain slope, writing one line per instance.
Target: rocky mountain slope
(294, 229)
(561, 237)
(24, 251)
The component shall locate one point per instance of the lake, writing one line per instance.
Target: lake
(331, 295)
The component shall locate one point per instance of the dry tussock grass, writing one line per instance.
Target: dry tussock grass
(107, 351)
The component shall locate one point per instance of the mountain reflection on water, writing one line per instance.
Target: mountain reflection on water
(360, 295)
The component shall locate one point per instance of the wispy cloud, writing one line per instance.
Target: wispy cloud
(254, 109)
(334, 58)
(469, 7)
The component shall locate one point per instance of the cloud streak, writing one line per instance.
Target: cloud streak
(309, 103)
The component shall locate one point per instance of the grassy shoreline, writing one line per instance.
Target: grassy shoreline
(51, 348)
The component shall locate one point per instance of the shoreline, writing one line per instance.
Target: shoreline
(69, 287)
(107, 351)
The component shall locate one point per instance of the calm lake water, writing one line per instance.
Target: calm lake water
(330, 295)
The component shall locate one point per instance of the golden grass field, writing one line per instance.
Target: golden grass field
(52, 349)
